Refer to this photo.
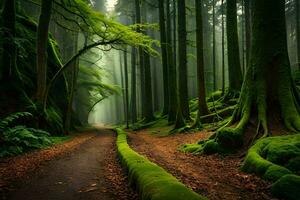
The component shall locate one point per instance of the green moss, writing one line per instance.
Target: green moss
(214, 96)
(287, 187)
(151, 181)
(276, 159)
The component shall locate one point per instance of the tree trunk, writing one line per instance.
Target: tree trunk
(268, 93)
(42, 40)
(141, 59)
(202, 106)
(9, 55)
(234, 65)
(74, 75)
(133, 85)
(214, 46)
(171, 68)
(126, 89)
(247, 29)
(163, 42)
(223, 49)
(182, 62)
(148, 104)
(174, 34)
(149, 115)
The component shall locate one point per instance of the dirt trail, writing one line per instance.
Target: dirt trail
(213, 176)
(86, 173)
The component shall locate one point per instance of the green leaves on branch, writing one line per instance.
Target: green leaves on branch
(107, 29)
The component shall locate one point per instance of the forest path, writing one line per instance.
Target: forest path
(89, 172)
(216, 177)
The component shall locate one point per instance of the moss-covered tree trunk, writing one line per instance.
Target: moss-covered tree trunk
(164, 55)
(171, 68)
(268, 93)
(202, 106)
(234, 65)
(42, 41)
(182, 60)
(9, 48)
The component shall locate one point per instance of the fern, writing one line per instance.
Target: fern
(18, 139)
(11, 118)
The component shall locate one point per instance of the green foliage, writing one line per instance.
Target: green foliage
(16, 139)
(7, 121)
(107, 29)
(150, 180)
(54, 120)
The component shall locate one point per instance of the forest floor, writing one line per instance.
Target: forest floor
(85, 167)
(213, 176)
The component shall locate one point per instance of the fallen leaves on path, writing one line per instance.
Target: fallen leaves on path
(115, 175)
(14, 168)
(214, 176)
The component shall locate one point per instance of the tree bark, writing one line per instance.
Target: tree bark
(171, 68)
(148, 101)
(182, 62)
(202, 106)
(141, 59)
(126, 89)
(247, 29)
(214, 46)
(234, 65)
(42, 41)
(223, 49)
(133, 85)
(163, 42)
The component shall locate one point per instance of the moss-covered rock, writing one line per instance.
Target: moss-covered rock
(151, 181)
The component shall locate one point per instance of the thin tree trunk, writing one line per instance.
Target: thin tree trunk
(42, 40)
(171, 68)
(174, 35)
(234, 65)
(214, 46)
(164, 54)
(141, 60)
(133, 85)
(126, 88)
(74, 75)
(223, 49)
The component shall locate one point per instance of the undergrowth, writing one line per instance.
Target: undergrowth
(16, 139)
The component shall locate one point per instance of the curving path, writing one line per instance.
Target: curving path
(89, 172)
